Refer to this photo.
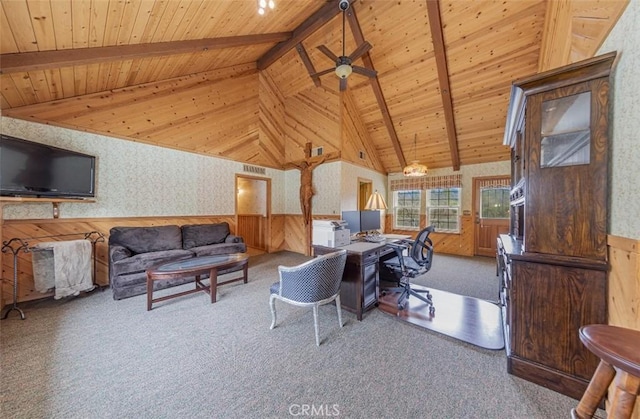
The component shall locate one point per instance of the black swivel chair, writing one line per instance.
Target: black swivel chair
(401, 269)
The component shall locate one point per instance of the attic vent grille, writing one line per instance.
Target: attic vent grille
(254, 169)
(362, 155)
(317, 151)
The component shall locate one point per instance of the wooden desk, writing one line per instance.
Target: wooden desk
(359, 288)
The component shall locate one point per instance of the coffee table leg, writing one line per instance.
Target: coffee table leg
(245, 269)
(213, 284)
(149, 292)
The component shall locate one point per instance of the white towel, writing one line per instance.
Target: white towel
(71, 268)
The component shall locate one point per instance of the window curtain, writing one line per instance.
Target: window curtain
(427, 182)
(504, 182)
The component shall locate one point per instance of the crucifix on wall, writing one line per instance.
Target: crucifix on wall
(307, 191)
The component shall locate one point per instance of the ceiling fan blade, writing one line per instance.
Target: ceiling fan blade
(364, 71)
(328, 53)
(323, 72)
(343, 85)
(360, 51)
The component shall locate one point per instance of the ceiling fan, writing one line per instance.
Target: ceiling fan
(344, 65)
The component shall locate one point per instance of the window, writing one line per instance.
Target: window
(406, 210)
(443, 209)
(494, 202)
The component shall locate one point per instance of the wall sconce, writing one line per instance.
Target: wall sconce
(376, 202)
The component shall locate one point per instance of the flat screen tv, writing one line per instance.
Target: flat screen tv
(37, 170)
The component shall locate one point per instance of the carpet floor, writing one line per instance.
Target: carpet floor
(93, 357)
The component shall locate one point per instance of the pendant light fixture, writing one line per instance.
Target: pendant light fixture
(415, 169)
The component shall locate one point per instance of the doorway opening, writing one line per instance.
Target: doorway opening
(253, 212)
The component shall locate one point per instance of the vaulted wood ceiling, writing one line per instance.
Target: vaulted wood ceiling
(214, 77)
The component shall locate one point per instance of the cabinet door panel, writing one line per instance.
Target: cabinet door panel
(549, 304)
(566, 205)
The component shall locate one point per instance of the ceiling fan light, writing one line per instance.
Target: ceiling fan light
(262, 4)
(260, 11)
(343, 71)
(271, 4)
(415, 169)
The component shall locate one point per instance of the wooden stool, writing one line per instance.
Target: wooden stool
(619, 352)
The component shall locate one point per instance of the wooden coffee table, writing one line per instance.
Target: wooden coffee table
(196, 267)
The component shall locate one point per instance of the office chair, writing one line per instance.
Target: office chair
(403, 268)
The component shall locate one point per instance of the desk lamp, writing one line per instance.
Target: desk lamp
(375, 202)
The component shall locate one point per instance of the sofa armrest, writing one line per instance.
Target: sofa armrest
(231, 238)
(117, 252)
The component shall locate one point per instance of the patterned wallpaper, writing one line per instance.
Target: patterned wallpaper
(624, 192)
(137, 180)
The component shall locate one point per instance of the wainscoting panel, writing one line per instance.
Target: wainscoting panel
(53, 227)
(451, 244)
(252, 229)
(624, 287)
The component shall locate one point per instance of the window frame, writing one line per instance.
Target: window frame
(415, 207)
(457, 208)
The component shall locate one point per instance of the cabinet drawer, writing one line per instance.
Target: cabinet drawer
(370, 257)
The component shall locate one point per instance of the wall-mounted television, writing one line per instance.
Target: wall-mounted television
(32, 169)
(361, 221)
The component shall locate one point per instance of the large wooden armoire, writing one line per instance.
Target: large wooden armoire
(553, 263)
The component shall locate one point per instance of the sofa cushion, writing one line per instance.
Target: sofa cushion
(144, 261)
(194, 235)
(147, 239)
(219, 249)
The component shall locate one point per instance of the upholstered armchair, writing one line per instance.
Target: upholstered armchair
(311, 284)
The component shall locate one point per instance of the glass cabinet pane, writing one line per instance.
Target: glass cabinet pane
(566, 131)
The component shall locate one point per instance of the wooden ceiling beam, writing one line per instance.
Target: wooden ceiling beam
(435, 25)
(302, 32)
(44, 60)
(308, 64)
(377, 89)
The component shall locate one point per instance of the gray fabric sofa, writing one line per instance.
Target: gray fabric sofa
(133, 250)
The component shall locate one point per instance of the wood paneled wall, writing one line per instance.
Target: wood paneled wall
(624, 287)
(451, 244)
(287, 232)
(252, 229)
(53, 227)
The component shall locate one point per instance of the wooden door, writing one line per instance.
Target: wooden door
(491, 212)
(365, 189)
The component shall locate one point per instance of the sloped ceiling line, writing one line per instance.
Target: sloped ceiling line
(377, 89)
(435, 25)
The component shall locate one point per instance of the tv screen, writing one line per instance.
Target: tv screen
(33, 169)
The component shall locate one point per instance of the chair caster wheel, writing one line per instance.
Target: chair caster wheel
(400, 306)
(432, 311)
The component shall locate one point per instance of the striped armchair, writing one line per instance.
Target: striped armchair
(311, 284)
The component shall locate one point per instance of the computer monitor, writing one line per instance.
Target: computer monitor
(358, 221)
(352, 218)
(369, 220)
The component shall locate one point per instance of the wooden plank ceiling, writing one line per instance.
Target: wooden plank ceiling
(215, 77)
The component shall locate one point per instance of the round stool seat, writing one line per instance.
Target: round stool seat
(617, 346)
(619, 351)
